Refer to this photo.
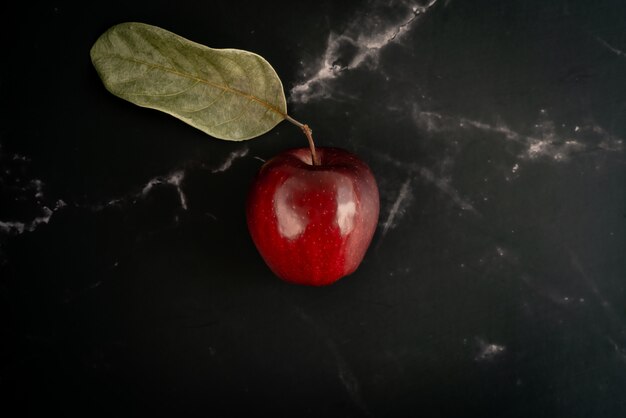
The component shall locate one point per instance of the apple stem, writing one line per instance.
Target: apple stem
(309, 136)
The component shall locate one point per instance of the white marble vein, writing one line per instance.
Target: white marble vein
(443, 184)
(608, 309)
(17, 227)
(544, 290)
(488, 351)
(235, 155)
(347, 378)
(611, 48)
(17, 185)
(613, 316)
(345, 374)
(544, 143)
(174, 179)
(37, 186)
(620, 351)
(398, 206)
(359, 45)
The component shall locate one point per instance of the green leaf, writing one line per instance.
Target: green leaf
(227, 93)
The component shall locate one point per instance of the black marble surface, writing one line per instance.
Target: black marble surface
(495, 284)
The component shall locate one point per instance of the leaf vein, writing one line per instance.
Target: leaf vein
(185, 90)
(206, 106)
(211, 84)
(229, 120)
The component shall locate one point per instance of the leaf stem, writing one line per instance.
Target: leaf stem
(309, 136)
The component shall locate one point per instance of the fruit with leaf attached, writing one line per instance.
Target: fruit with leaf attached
(311, 217)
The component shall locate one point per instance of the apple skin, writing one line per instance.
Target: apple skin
(312, 224)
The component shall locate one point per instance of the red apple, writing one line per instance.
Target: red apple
(312, 223)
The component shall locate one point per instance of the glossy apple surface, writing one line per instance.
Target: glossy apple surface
(312, 224)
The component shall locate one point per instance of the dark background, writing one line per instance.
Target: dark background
(495, 284)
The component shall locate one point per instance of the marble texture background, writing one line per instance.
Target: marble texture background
(495, 284)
